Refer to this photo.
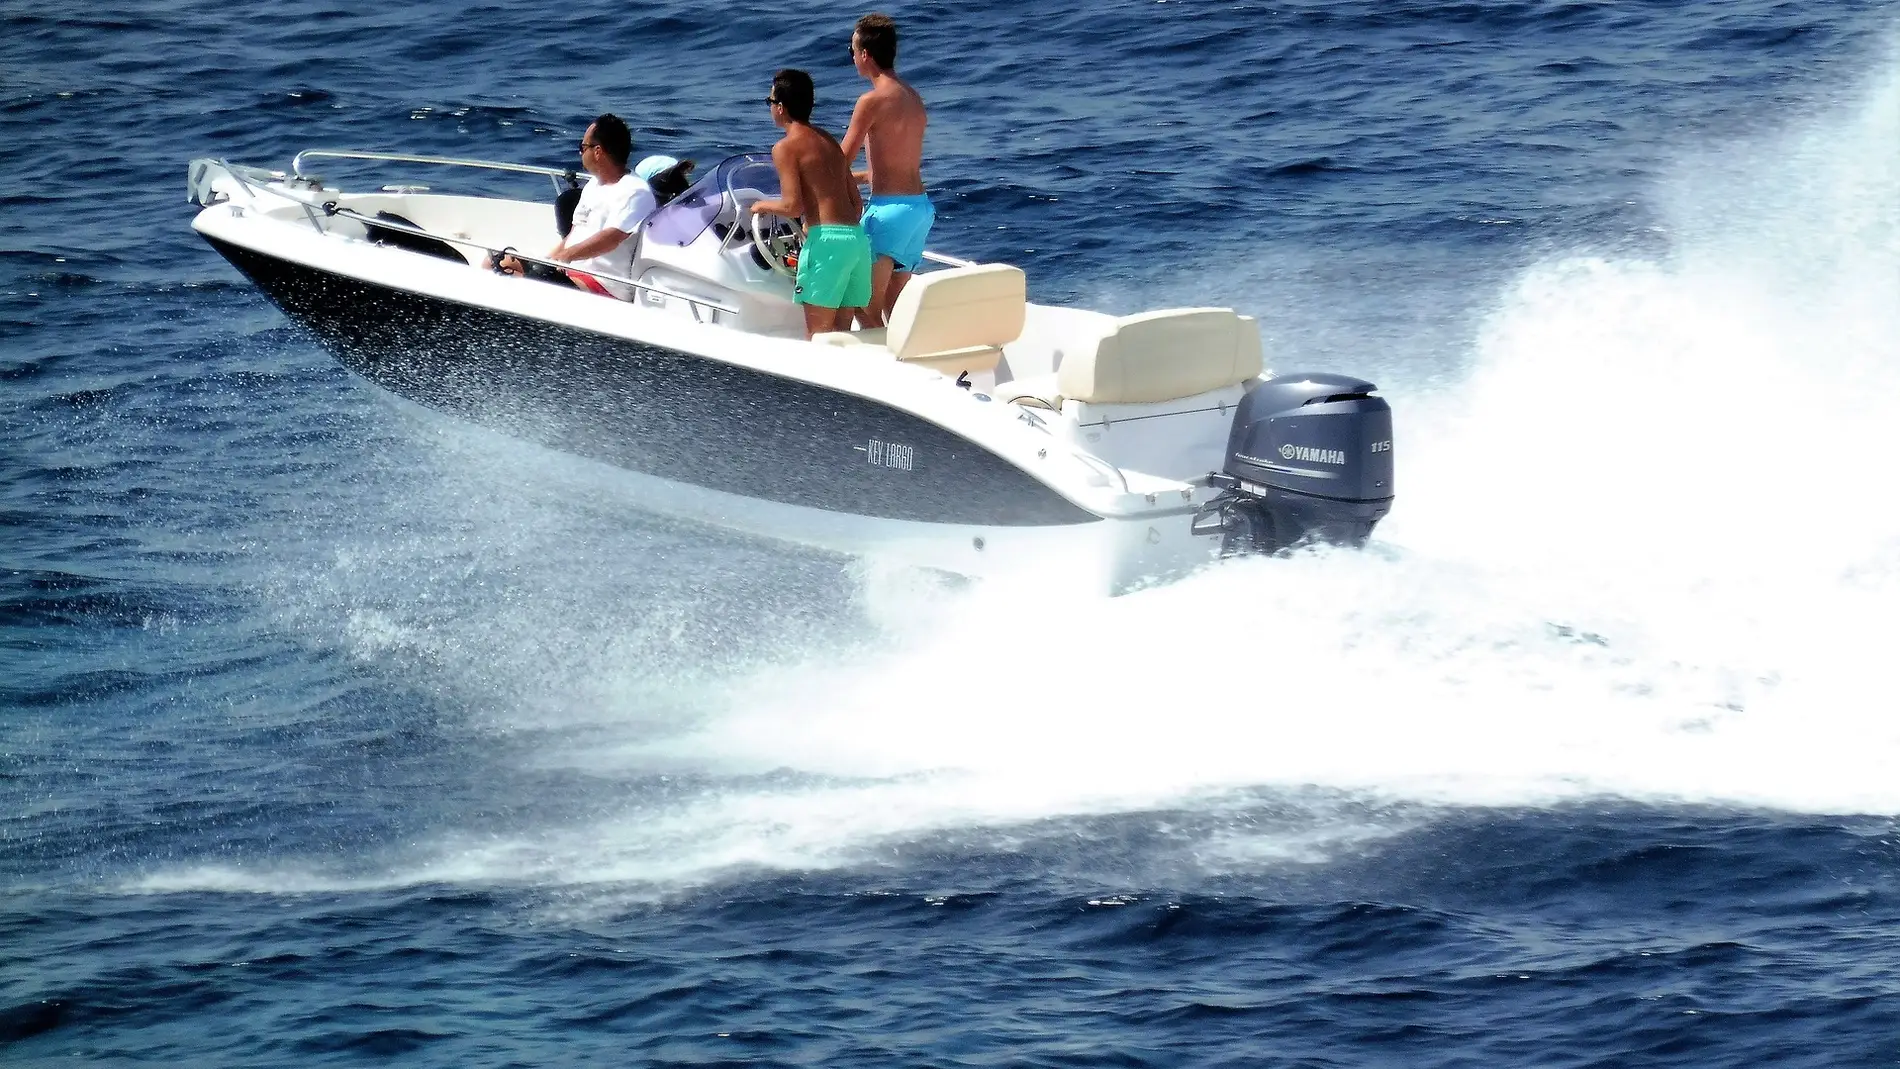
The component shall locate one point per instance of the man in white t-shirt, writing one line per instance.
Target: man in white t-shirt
(611, 210)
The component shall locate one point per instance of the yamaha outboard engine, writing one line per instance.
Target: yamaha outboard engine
(1309, 459)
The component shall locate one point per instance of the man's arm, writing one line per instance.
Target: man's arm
(607, 240)
(858, 134)
(791, 201)
(627, 219)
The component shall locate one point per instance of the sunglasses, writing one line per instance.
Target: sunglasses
(585, 145)
(771, 100)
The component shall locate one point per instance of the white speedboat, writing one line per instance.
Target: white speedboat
(978, 434)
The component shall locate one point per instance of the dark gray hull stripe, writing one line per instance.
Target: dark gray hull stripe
(656, 410)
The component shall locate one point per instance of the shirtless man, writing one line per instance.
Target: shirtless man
(888, 123)
(834, 267)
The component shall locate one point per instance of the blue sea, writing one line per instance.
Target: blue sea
(336, 733)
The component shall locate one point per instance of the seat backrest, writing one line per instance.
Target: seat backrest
(960, 308)
(403, 236)
(1159, 356)
(565, 202)
(669, 183)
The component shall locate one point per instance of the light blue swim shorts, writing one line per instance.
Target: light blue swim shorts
(898, 226)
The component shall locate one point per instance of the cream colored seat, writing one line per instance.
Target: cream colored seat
(1161, 356)
(1149, 358)
(951, 321)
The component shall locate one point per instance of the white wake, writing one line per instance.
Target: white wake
(1648, 550)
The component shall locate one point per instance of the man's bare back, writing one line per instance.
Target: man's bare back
(888, 124)
(816, 182)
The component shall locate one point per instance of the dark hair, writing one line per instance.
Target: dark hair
(614, 138)
(792, 89)
(877, 36)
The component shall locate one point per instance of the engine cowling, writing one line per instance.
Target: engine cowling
(1309, 459)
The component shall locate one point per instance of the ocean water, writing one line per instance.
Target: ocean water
(335, 734)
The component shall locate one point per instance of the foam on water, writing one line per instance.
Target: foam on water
(1645, 551)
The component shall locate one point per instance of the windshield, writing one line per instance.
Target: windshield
(682, 221)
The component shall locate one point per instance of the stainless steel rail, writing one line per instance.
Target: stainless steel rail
(1092, 461)
(351, 213)
(947, 261)
(296, 165)
(555, 174)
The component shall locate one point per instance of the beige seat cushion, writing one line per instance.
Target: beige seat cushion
(868, 336)
(961, 308)
(954, 362)
(952, 321)
(951, 362)
(1164, 355)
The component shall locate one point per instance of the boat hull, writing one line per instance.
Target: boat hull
(664, 413)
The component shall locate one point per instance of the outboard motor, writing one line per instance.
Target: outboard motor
(1309, 459)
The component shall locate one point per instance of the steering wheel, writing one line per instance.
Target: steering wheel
(777, 240)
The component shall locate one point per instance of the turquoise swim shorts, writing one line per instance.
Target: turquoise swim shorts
(834, 267)
(898, 227)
